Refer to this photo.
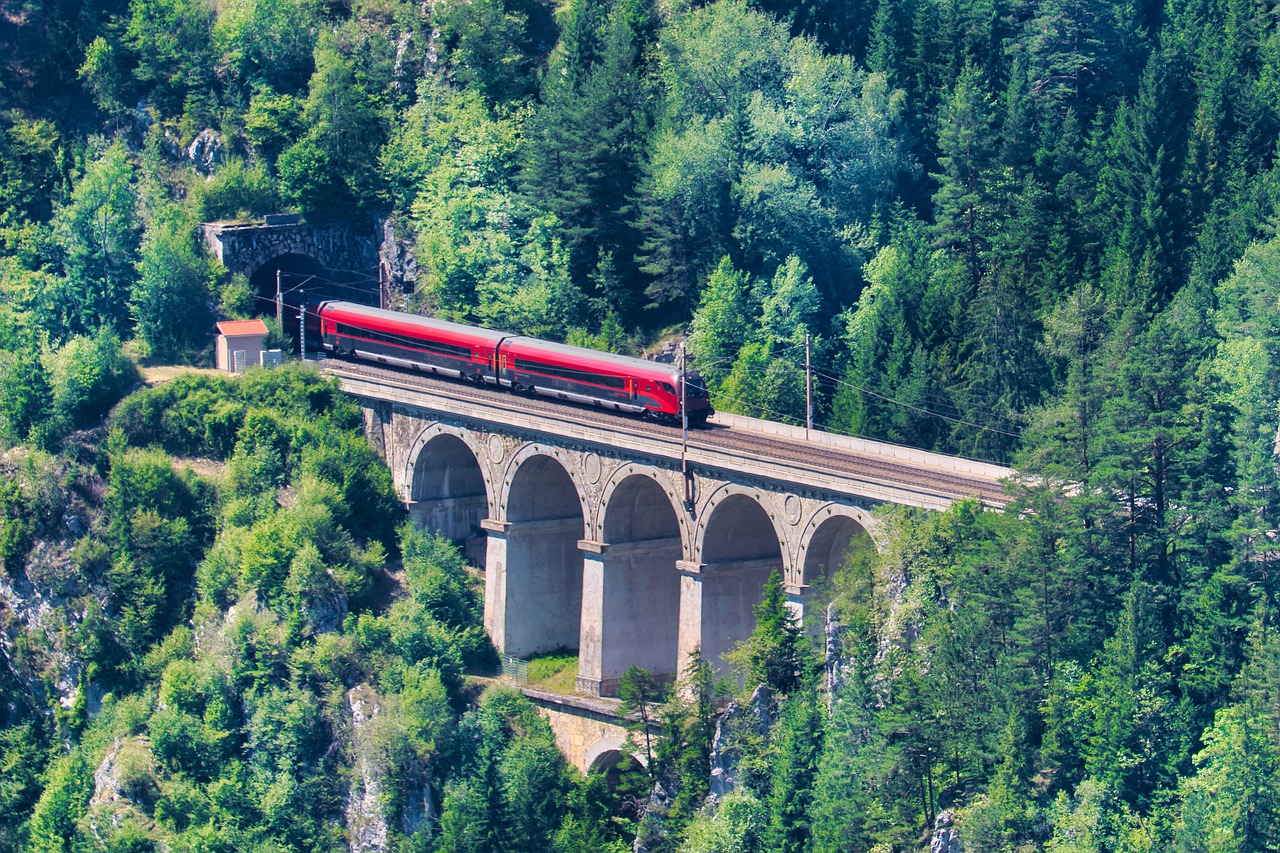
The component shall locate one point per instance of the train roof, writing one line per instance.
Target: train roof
(583, 356)
(383, 316)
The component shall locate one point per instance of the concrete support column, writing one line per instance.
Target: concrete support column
(691, 606)
(533, 585)
(799, 597)
(717, 607)
(495, 581)
(630, 612)
(455, 518)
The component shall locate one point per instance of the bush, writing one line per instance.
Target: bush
(24, 396)
(87, 377)
(236, 192)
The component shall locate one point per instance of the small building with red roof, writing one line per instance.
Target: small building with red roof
(240, 344)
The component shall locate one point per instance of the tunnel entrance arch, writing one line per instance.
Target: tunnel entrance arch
(301, 278)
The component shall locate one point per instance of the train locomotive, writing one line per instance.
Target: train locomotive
(521, 364)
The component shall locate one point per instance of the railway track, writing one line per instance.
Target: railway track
(733, 440)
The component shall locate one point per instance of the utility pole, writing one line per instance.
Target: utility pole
(808, 389)
(684, 435)
(279, 302)
(302, 328)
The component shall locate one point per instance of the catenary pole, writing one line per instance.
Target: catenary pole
(808, 389)
(684, 434)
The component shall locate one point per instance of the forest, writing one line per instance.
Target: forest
(1040, 232)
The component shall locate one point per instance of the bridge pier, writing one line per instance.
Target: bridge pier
(717, 606)
(533, 585)
(630, 612)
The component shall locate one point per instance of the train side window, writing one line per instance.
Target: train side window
(667, 386)
(437, 347)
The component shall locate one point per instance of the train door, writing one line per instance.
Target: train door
(506, 364)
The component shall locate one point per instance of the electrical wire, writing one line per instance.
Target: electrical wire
(921, 410)
(884, 398)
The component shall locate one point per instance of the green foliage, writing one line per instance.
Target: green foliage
(86, 378)
(778, 654)
(24, 396)
(1042, 233)
(21, 763)
(332, 167)
(268, 42)
(171, 42)
(169, 302)
(98, 232)
(25, 509)
(512, 788)
(737, 827)
(494, 44)
(237, 192)
(64, 801)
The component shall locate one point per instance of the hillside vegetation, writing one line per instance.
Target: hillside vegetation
(1036, 232)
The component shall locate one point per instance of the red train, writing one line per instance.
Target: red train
(522, 364)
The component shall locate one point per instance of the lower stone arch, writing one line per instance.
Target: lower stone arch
(605, 756)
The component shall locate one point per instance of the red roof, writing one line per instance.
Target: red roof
(239, 328)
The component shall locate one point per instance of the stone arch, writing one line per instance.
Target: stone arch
(631, 586)
(545, 459)
(543, 508)
(605, 756)
(739, 546)
(611, 750)
(446, 486)
(832, 530)
(732, 530)
(622, 485)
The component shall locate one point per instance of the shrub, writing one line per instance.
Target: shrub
(87, 377)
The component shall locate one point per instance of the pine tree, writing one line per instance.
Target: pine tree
(778, 654)
(966, 149)
(798, 735)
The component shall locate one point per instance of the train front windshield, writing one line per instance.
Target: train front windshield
(695, 388)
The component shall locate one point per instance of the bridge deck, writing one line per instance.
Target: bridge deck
(824, 461)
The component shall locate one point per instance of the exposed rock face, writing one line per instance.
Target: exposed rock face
(325, 608)
(834, 656)
(366, 810)
(206, 151)
(945, 837)
(124, 787)
(397, 259)
(738, 721)
(40, 613)
(365, 820)
(652, 831)
(125, 775)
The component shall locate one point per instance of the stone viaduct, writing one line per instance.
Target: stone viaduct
(590, 543)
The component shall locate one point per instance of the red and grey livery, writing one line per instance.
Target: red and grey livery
(522, 364)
